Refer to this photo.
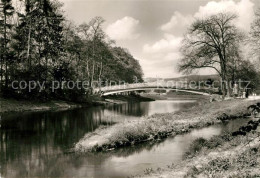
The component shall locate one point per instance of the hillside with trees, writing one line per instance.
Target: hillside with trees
(39, 44)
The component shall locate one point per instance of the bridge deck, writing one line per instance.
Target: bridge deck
(151, 86)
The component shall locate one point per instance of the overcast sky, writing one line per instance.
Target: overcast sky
(152, 30)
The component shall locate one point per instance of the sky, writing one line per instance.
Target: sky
(152, 30)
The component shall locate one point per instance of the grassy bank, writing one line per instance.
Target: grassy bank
(12, 105)
(161, 125)
(221, 156)
(177, 96)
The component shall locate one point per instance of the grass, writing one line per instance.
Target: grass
(160, 126)
(177, 96)
(236, 157)
(200, 143)
(241, 157)
(12, 105)
(221, 156)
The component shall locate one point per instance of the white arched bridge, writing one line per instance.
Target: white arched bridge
(124, 88)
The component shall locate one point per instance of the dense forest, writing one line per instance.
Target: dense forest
(37, 43)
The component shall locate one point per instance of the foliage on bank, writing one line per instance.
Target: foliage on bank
(221, 156)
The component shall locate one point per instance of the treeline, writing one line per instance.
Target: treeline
(215, 42)
(39, 44)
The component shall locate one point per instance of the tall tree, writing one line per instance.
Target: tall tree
(6, 11)
(40, 36)
(209, 44)
(97, 36)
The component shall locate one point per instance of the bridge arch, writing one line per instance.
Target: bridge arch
(111, 92)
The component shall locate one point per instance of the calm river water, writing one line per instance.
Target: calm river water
(36, 144)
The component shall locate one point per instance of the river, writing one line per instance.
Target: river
(37, 144)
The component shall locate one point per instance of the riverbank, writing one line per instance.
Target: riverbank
(12, 105)
(220, 156)
(172, 95)
(160, 126)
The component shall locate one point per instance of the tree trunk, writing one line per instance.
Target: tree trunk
(5, 51)
(1, 77)
(29, 45)
(1, 71)
(99, 77)
(88, 70)
(92, 75)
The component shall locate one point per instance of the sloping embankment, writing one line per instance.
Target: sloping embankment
(12, 105)
(161, 125)
(221, 156)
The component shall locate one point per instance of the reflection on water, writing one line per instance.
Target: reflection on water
(136, 110)
(129, 161)
(35, 144)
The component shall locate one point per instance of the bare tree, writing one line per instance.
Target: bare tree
(97, 34)
(209, 44)
(84, 31)
(255, 35)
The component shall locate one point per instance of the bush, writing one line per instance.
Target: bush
(195, 147)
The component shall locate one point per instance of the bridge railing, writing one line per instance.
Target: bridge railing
(157, 84)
